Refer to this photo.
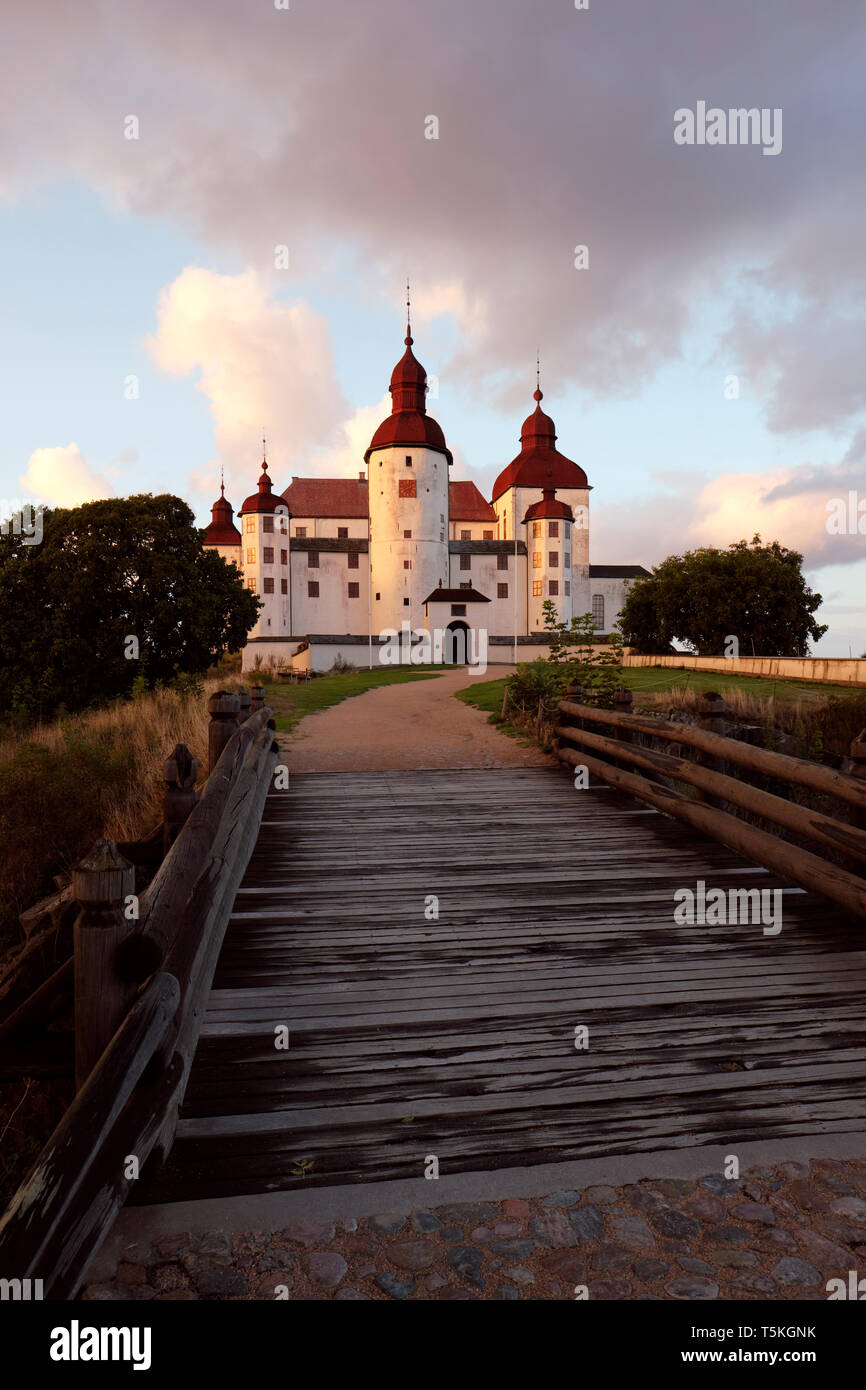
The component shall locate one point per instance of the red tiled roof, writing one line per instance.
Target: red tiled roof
(456, 596)
(549, 506)
(327, 497)
(264, 499)
(465, 503)
(539, 463)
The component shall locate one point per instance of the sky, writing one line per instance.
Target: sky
(208, 213)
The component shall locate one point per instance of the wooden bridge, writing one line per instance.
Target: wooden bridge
(484, 966)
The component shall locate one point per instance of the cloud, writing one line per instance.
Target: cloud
(265, 367)
(62, 477)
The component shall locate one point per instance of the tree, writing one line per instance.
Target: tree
(752, 592)
(117, 592)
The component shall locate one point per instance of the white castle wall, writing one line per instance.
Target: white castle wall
(425, 515)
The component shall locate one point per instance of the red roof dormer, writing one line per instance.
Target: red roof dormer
(539, 463)
(222, 529)
(264, 499)
(409, 424)
(549, 506)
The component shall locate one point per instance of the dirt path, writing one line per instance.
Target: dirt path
(418, 724)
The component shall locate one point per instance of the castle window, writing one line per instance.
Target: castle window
(553, 588)
(312, 588)
(250, 525)
(342, 533)
(487, 535)
(251, 585)
(566, 529)
(268, 555)
(284, 586)
(251, 557)
(267, 523)
(352, 560)
(407, 564)
(466, 562)
(502, 562)
(502, 591)
(312, 559)
(378, 596)
(408, 460)
(537, 588)
(553, 559)
(405, 603)
(598, 611)
(407, 535)
(406, 488)
(269, 586)
(354, 591)
(458, 610)
(536, 559)
(536, 528)
(300, 531)
(553, 528)
(284, 557)
(566, 560)
(466, 535)
(567, 588)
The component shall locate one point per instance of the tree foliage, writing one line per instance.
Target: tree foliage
(753, 592)
(575, 659)
(105, 573)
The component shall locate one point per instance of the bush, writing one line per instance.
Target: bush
(573, 660)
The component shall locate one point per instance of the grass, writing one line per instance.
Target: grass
(487, 696)
(291, 703)
(661, 678)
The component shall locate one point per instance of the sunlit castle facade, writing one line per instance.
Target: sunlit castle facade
(342, 564)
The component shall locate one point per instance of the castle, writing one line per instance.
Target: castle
(341, 563)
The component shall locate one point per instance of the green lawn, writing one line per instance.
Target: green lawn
(487, 696)
(291, 702)
(649, 678)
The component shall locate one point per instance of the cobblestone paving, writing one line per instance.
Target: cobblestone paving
(777, 1233)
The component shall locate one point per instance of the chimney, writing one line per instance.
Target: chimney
(362, 477)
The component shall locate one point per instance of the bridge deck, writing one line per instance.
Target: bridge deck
(456, 1036)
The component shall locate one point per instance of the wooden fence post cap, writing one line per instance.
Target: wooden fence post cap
(223, 705)
(103, 876)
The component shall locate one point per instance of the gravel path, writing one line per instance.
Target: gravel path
(418, 724)
(777, 1233)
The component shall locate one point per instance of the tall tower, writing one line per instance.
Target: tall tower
(265, 557)
(549, 539)
(407, 474)
(222, 535)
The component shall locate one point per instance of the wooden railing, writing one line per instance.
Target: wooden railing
(610, 755)
(141, 986)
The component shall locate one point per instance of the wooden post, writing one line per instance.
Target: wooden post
(622, 704)
(538, 717)
(245, 699)
(100, 884)
(504, 700)
(223, 709)
(257, 698)
(857, 754)
(711, 716)
(181, 773)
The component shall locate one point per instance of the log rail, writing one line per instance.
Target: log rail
(611, 756)
(142, 978)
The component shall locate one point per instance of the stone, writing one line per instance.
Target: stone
(249, 1243)
(755, 1211)
(719, 1186)
(514, 1247)
(649, 1270)
(467, 1261)
(854, 1207)
(588, 1222)
(386, 1224)
(307, 1233)
(759, 1283)
(468, 1213)
(425, 1221)
(413, 1254)
(452, 1233)
(397, 1288)
(611, 1257)
(693, 1266)
(168, 1277)
(805, 1195)
(632, 1231)
(351, 1295)
(520, 1274)
(349, 1224)
(507, 1292)
(793, 1169)
(112, 1293)
(553, 1229)
(219, 1281)
(735, 1259)
(167, 1247)
(565, 1264)
(641, 1199)
(365, 1270)
(481, 1235)
(673, 1187)
(326, 1267)
(215, 1247)
(706, 1208)
(779, 1202)
(266, 1285)
(609, 1288)
(694, 1287)
(453, 1295)
(143, 1291)
(796, 1273)
(674, 1223)
(434, 1281)
(516, 1209)
(276, 1259)
(508, 1228)
(601, 1196)
(776, 1240)
(130, 1274)
(823, 1251)
(728, 1235)
(561, 1199)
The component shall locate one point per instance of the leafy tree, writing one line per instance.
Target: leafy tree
(573, 659)
(107, 579)
(750, 591)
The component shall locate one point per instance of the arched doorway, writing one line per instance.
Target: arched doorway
(455, 648)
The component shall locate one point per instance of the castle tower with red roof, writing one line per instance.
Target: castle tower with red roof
(265, 557)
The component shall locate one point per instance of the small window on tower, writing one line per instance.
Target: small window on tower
(536, 559)
(466, 562)
(566, 588)
(378, 596)
(458, 610)
(284, 557)
(566, 559)
(312, 559)
(269, 586)
(598, 611)
(284, 586)
(312, 588)
(405, 603)
(354, 591)
(553, 559)
(408, 460)
(250, 525)
(537, 588)
(406, 488)
(342, 533)
(502, 562)
(407, 564)
(553, 528)
(407, 535)
(352, 559)
(267, 523)
(251, 557)
(251, 585)
(268, 555)
(536, 528)
(553, 588)
(502, 591)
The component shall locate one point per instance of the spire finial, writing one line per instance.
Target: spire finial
(537, 394)
(408, 340)
(222, 481)
(264, 452)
